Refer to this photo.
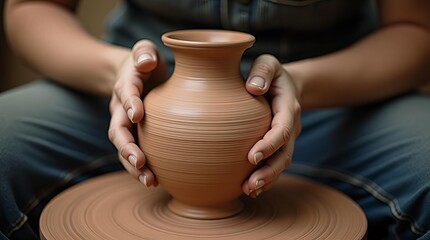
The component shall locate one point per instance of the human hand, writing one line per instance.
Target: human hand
(276, 148)
(140, 72)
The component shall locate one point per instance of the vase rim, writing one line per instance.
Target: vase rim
(207, 38)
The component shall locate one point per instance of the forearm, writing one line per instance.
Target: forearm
(391, 61)
(50, 39)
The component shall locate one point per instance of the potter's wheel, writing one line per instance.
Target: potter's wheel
(115, 206)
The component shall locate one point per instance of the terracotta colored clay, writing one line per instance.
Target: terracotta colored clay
(115, 206)
(197, 131)
(200, 125)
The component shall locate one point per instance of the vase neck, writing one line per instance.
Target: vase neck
(207, 62)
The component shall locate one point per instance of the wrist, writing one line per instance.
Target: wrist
(113, 58)
(296, 77)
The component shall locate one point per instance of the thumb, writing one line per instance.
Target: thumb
(145, 56)
(264, 69)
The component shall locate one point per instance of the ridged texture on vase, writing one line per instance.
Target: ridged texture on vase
(200, 125)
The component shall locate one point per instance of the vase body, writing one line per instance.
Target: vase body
(200, 124)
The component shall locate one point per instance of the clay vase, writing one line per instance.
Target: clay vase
(200, 125)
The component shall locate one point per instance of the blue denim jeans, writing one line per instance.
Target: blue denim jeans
(52, 137)
(380, 156)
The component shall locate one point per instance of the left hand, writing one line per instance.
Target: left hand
(142, 70)
(276, 148)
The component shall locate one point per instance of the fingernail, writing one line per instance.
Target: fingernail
(258, 191)
(258, 157)
(142, 179)
(133, 160)
(259, 184)
(258, 82)
(130, 114)
(143, 57)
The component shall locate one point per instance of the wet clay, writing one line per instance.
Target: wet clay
(200, 125)
(115, 206)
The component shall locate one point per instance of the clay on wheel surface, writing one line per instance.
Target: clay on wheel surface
(115, 206)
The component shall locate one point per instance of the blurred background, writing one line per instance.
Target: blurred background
(14, 72)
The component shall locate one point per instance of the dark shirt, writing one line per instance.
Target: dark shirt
(288, 29)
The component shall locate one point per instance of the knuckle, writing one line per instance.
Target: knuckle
(298, 124)
(112, 134)
(117, 88)
(272, 172)
(271, 147)
(288, 159)
(127, 103)
(147, 48)
(264, 69)
(143, 44)
(269, 57)
(275, 171)
(138, 85)
(299, 129)
(122, 150)
(112, 105)
(297, 109)
(286, 134)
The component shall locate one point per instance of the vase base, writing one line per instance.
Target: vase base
(115, 206)
(188, 211)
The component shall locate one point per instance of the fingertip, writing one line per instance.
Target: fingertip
(147, 178)
(140, 162)
(144, 57)
(132, 159)
(258, 156)
(135, 111)
(143, 179)
(257, 82)
(257, 192)
(256, 85)
(245, 188)
(130, 114)
(146, 62)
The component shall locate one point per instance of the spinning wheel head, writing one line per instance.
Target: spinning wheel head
(115, 206)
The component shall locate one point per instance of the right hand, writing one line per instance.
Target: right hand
(141, 71)
(277, 146)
